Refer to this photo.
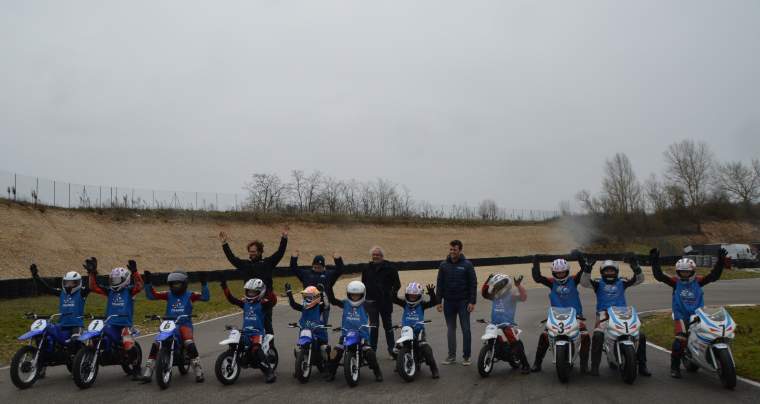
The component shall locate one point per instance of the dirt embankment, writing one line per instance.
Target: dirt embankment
(59, 240)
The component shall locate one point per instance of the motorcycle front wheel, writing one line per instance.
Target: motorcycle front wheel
(563, 362)
(164, 368)
(628, 367)
(24, 369)
(227, 368)
(486, 359)
(303, 367)
(351, 367)
(406, 367)
(85, 367)
(726, 368)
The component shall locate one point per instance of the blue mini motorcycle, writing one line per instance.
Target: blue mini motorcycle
(308, 352)
(354, 357)
(49, 345)
(103, 346)
(171, 350)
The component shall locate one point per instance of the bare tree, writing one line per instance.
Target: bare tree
(656, 195)
(588, 202)
(621, 190)
(689, 166)
(298, 187)
(265, 192)
(488, 210)
(739, 181)
(330, 195)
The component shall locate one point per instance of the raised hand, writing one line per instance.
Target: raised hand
(223, 237)
(91, 265)
(722, 253)
(132, 266)
(654, 254)
(518, 280)
(285, 231)
(430, 288)
(296, 254)
(33, 269)
(288, 288)
(336, 256)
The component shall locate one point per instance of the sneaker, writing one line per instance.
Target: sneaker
(466, 362)
(449, 361)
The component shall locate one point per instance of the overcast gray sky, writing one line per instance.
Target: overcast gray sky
(520, 101)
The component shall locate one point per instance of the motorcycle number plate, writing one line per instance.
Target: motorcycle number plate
(167, 326)
(306, 333)
(407, 332)
(96, 325)
(626, 342)
(38, 325)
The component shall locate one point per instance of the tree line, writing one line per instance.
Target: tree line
(694, 185)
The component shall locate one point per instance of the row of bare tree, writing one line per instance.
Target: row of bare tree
(692, 178)
(316, 193)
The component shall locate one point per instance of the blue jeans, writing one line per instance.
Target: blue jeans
(452, 309)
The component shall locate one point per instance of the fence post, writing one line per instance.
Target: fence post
(69, 195)
(217, 201)
(133, 198)
(53, 192)
(117, 195)
(100, 195)
(196, 201)
(235, 207)
(15, 188)
(154, 198)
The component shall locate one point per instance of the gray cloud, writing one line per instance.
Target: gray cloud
(519, 101)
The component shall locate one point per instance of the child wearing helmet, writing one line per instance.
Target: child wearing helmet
(414, 312)
(610, 291)
(312, 308)
(687, 297)
(254, 324)
(498, 288)
(123, 285)
(354, 318)
(72, 296)
(563, 293)
(179, 301)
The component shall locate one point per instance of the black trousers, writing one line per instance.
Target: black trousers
(377, 312)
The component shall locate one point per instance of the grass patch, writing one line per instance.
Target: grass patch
(13, 323)
(746, 346)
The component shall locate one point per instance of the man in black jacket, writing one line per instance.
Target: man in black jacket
(382, 282)
(457, 287)
(257, 266)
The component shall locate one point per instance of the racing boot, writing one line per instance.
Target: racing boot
(518, 350)
(585, 342)
(675, 368)
(196, 362)
(147, 375)
(642, 356)
(543, 346)
(596, 352)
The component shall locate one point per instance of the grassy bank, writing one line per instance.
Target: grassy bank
(746, 347)
(13, 323)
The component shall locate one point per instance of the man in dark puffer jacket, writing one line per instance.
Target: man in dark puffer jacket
(457, 286)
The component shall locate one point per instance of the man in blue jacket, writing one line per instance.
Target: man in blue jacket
(457, 286)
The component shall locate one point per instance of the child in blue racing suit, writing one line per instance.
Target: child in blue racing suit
(610, 291)
(414, 314)
(498, 289)
(312, 315)
(253, 303)
(72, 297)
(687, 297)
(124, 285)
(355, 317)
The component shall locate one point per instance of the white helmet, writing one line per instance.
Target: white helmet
(686, 265)
(498, 285)
(413, 289)
(257, 289)
(559, 266)
(356, 288)
(71, 282)
(119, 278)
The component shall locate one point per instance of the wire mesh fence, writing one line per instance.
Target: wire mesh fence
(49, 192)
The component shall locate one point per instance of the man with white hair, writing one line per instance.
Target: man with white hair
(382, 282)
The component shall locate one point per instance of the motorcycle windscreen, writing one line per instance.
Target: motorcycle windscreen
(562, 313)
(622, 313)
(352, 338)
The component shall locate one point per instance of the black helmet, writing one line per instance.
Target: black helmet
(177, 281)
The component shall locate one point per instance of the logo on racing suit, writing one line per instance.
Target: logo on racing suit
(178, 307)
(117, 300)
(688, 296)
(353, 315)
(563, 290)
(68, 301)
(610, 290)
